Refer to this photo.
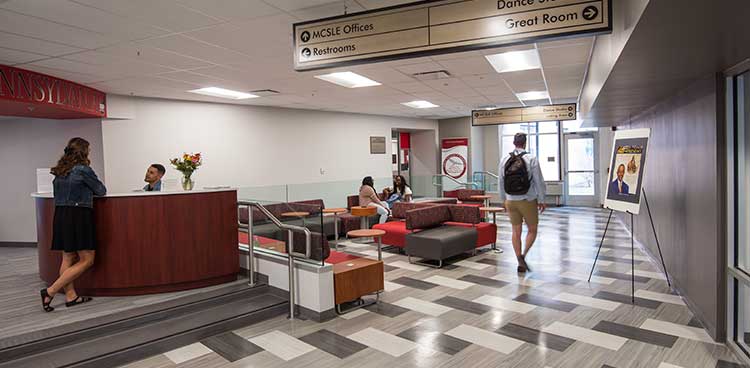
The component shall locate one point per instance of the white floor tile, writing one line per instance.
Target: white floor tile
(472, 265)
(186, 353)
(282, 345)
(354, 314)
(408, 266)
(675, 329)
(421, 306)
(505, 304)
(586, 335)
(595, 279)
(653, 275)
(660, 297)
(449, 282)
(385, 342)
(667, 365)
(515, 279)
(484, 338)
(587, 301)
(392, 286)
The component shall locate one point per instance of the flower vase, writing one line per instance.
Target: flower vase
(187, 183)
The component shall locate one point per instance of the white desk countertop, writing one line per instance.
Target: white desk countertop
(146, 194)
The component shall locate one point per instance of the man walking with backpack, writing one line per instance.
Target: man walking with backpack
(522, 187)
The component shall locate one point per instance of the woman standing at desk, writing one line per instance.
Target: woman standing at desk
(75, 185)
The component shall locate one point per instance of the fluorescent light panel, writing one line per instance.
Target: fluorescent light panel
(348, 80)
(420, 104)
(532, 95)
(514, 61)
(223, 93)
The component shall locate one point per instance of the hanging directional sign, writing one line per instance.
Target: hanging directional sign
(524, 114)
(442, 26)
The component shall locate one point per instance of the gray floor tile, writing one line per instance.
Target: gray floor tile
(536, 337)
(333, 343)
(627, 299)
(484, 281)
(231, 347)
(546, 302)
(635, 333)
(414, 283)
(386, 309)
(464, 305)
(425, 336)
(622, 276)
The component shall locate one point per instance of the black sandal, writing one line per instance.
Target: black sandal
(46, 305)
(78, 300)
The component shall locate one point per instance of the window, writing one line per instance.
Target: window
(543, 142)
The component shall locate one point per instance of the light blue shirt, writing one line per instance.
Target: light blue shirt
(538, 187)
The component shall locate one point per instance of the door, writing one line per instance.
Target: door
(580, 167)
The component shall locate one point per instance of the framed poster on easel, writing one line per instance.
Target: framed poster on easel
(625, 190)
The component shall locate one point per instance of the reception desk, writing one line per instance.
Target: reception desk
(151, 242)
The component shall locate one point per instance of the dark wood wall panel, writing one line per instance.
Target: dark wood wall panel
(682, 182)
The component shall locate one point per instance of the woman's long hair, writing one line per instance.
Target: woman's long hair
(76, 153)
(368, 181)
(400, 189)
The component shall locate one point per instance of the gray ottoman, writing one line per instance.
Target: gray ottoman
(440, 243)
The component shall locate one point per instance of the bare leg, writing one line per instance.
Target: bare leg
(530, 238)
(516, 238)
(86, 260)
(68, 260)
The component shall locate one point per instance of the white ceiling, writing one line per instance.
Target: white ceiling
(162, 48)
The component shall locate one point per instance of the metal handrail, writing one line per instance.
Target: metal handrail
(487, 173)
(435, 183)
(290, 245)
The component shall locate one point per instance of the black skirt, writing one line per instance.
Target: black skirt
(73, 229)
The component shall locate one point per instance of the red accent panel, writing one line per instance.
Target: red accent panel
(395, 233)
(150, 244)
(405, 140)
(487, 232)
(338, 257)
(453, 142)
(31, 94)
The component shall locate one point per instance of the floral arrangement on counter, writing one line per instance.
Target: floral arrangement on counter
(187, 166)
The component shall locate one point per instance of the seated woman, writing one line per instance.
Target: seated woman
(400, 192)
(369, 198)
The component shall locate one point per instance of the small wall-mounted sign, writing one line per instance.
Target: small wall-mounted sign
(377, 145)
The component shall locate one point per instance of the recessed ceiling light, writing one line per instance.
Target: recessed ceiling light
(420, 104)
(223, 93)
(348, 80)
(514, 61)
(532, 95)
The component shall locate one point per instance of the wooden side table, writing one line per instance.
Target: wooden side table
(369, 233)
(485, 198)
(335, 212)
(356, 278)
(493, 211)
(364, 213)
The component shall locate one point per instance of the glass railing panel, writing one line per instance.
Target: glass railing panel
(333, 193)
(270, 193)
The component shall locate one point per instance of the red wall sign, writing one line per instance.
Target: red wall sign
(32, 94)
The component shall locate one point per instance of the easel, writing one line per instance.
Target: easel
(632, 246)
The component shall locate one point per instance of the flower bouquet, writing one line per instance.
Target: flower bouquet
(187, 165)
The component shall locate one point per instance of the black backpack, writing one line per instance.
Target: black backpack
(516, 178)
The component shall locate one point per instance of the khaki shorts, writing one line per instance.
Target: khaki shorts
(520, 211)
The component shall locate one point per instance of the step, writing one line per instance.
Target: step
(139, 337)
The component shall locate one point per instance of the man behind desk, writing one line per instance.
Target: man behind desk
(153, 177)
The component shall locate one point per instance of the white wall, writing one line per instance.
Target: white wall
(245, 145)
(28, 144)
(424, 162)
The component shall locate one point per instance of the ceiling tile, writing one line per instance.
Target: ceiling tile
(289, 5)
(233, 10)
(10, 56)
(576, 54)
(82, 78)
(28, 44)
(197, 49)
(567, 42)
(467, 66)
(166, 14)
(109, 62)
(410, 69)
(80, 16)
(52, 32)
(327, 10)
(153, 55)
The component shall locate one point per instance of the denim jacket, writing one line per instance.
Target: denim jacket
(78, 188)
